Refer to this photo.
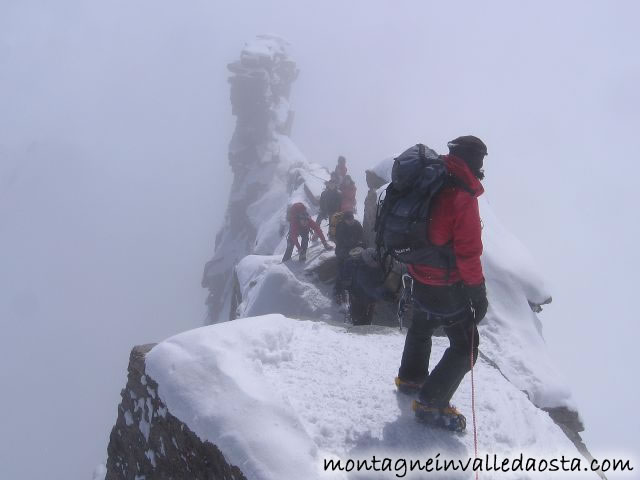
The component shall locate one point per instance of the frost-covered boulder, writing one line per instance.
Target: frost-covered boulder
(266, 285)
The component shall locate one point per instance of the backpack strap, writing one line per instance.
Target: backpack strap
(422, 151)
(456, 182)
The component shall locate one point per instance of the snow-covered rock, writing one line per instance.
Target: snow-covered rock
(279, 396)
(266, 284)
(269, 170)
(147, 441)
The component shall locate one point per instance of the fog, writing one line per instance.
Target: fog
(114, 126)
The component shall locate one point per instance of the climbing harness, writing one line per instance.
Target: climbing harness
(408, 300)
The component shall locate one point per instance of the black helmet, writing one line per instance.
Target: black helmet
(468, 143)
(472, 151)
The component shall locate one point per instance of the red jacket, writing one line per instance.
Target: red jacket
(348, 203)
(455, 219)
(296, 229)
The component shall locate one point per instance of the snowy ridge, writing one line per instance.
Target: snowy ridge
(512, 333)
(278, 395)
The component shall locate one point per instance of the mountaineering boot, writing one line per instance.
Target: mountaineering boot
(447, 417)
(408, 387)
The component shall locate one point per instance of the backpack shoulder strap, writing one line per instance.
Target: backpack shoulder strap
(456, 182)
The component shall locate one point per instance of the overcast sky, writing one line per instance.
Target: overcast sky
(114, 127)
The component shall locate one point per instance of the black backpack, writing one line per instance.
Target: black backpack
(402, 215)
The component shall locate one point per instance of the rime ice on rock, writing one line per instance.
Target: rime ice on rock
(269, 172)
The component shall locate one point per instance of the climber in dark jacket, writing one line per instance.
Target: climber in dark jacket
(340, 172)
(365, 280)
(300, 225)
(330, 201)
(453, 297)
(349, 235)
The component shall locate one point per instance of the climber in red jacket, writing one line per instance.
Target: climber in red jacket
(454, 297)
(300, 225)
(348, 191)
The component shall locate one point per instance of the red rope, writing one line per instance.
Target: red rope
(473, 399)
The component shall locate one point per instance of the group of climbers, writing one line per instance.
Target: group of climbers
(429, 223)
(337, 202)
(339, 194)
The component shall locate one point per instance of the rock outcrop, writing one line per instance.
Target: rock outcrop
(269, 172)
(374, 182)
(147, 441)
(260, 84)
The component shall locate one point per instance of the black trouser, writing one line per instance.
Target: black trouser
(342, 256)
(304, 243)
(440, 385)
(362, 308)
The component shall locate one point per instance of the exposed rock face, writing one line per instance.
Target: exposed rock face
(260, 84)
(374, 182)
(148, 442)
(570, 423)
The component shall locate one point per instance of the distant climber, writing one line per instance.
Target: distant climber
(340, 172)
(330, 201)
(349, 235)
(300, 225)
(443, 258)
(367, 283)
(348, 192)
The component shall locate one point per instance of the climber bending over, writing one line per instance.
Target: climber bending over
(300, 225)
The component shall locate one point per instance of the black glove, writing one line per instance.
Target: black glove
(478, 300)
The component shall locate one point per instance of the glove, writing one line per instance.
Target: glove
(478, 299)
(327, 246)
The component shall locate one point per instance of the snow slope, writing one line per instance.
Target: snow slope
(279, 395)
